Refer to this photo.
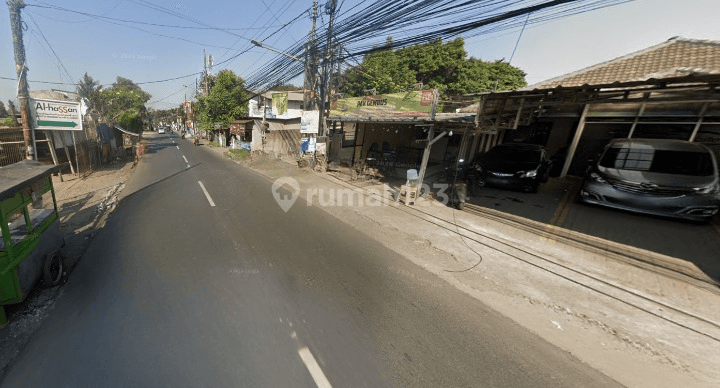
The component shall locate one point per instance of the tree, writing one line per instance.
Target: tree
(383, 71)
(11, 108)
(3, 112)
(123, 103)
(286, 87)
(89, 88)
(435, 65)
(226, 101)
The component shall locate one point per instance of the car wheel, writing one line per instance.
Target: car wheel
(53, 269)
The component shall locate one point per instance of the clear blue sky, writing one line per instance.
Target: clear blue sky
(105, 50)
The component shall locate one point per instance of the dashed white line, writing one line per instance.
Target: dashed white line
(178, 147)
(314, 369)
(186, 161)
(206, 193)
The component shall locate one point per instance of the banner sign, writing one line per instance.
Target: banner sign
(279, 103)
(55, 115)
(416, 103)
(307, 144)
(310, 121)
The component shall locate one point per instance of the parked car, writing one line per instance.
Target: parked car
(161, 130)
(513, 165)
(661, 177)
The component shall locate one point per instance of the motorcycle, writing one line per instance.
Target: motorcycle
(475, 178)
(457, 177)
(196, 141)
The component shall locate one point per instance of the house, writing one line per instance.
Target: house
(665, 91)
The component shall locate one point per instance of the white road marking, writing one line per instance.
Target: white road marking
(206, 193)
(187, 166)
(314, 369)
(178, 147)
(173, 141)
(185, 159)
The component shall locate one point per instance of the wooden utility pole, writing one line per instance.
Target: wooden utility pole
(14, 6)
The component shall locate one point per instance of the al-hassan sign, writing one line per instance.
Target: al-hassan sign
(416, 103)
(55, 115)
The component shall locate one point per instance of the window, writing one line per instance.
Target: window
(41, 209)
(349, 135)
(18, 226)
(691, 163)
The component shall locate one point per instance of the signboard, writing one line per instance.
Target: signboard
(55, 115)
(279, 103)
(309, 122)
(307, 144)
(416, 103)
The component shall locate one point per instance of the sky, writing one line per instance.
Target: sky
(106, 49)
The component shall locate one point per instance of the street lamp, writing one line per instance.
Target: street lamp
(262, 45)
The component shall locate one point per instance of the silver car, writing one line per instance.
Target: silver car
(661, 177)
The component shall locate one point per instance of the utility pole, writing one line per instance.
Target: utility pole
(324, 81)
(205, 74)
(14, 6)
(310, 83)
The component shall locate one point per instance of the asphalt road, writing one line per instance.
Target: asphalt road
(177, 292)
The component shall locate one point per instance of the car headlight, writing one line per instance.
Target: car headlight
(527, 174)
(597, 178)
(712, 189)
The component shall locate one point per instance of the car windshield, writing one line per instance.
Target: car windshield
(660, 161)
(513, 154)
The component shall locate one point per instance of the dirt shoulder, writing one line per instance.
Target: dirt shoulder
(84, 203)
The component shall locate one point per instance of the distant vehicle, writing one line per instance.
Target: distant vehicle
(512, 165)
(161, 130)
(671, 178)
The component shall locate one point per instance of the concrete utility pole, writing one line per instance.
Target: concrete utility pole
(14, 6)
(310, 82)
(324, 81)
(205, 74)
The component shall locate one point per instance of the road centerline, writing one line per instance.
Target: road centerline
(186, 161)
(207, 195)
(314, 368)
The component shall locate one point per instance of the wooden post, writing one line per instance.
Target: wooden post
(77, 160)
(637, 119)
(699, 122)
(51, 143)
(517, 116)
(576, 141)
(67, 153)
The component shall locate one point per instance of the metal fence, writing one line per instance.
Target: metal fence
(74, 147)
(12, 145)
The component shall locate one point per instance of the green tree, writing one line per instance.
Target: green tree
(89, 88)
(11, 108)
(286, 87)
(383, 71)
(227, 101)
(123, 103)
(435, 65)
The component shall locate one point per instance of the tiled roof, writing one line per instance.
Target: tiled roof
(675, 57)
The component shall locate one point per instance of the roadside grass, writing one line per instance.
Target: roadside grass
(240, 155)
